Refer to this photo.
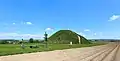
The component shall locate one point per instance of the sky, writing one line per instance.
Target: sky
(93, 19)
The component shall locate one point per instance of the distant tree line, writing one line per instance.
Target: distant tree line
(9, 41)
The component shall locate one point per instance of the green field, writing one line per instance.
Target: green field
(10, 49)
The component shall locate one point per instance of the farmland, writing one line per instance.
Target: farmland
(11, 49)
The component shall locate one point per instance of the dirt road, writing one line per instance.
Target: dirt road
(117, 55)
(109, 52)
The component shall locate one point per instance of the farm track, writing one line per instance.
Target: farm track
(109, 52)
(105, 55)
(96, 55)
(117, 54)
(85, 55)
(91, 55)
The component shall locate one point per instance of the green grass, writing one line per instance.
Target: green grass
(11, 49)
(66, 36)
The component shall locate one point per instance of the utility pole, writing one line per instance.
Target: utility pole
(46, 39)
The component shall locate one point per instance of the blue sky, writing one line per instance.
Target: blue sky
(30, 18)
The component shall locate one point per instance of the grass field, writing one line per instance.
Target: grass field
(11, 49)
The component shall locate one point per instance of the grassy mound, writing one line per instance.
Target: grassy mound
(66, 36)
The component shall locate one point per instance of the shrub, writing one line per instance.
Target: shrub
(31, 40)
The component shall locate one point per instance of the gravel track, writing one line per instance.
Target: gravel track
(109, 52)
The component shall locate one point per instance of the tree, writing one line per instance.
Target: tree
(36, 41)
(3, 42)
(96, 40)
(31, 40)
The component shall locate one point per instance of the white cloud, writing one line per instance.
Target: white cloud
(86, 30)
(13, 23)
(28, 23)
(95, 34)
(19, 36)
(114, 17)
(82, 34)
(48, 29)
(7, 34)
(68, 28)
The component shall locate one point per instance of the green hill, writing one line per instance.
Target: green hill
(65, 36)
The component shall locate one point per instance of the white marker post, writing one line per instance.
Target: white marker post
(70, 44)
(79, 39)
